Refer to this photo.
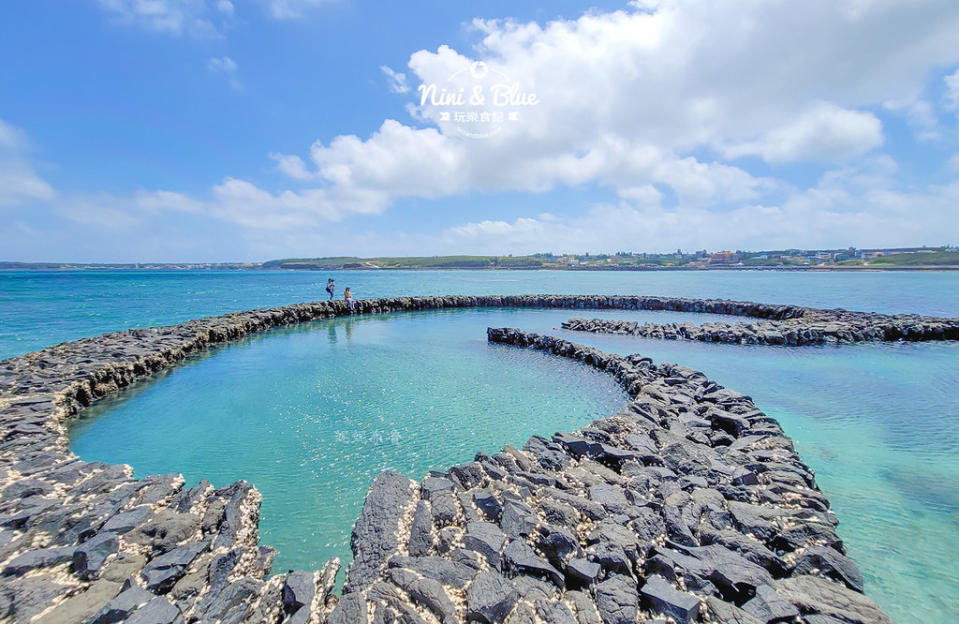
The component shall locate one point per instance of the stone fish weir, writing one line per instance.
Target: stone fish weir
(802, 326)
(690, 504)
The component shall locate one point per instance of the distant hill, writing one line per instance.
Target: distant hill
(917, 258)
(424, 262)
(924, 258)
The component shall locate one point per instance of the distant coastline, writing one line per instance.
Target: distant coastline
(801, 269)
(214, 267)
(850, 259)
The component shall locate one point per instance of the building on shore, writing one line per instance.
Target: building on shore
(723, 258)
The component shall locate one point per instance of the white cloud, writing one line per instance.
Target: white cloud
(119, 213)
(396, 160)
(222, 64)
(853, 205)
(920, 116)
(395, 80)
(160, 201)
(952, 90)
(11, 138)
(954, 163)
(19, 182)
(645, 195)
(647, 102)
(823, 134)
(227, 67)
(234, 201)
(292, 166)
(197, 18)
(823, 217)
(637, 98)
(292, 9)
(242, 202)
(102, 211)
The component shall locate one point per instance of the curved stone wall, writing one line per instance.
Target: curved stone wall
(85, 542)
(809, 328)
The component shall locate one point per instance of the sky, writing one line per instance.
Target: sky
(247, 130)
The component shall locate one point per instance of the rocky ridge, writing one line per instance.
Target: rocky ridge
(689, 505)
(804, 326)
(86, 542)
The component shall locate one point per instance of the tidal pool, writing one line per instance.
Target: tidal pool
(311, 414)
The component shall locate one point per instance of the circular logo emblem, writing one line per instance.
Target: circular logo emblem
(477, 101)
(479, 69)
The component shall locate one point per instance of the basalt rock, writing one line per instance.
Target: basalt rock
(798, 326)
(633, 514)
(374, 536)
(573, 526)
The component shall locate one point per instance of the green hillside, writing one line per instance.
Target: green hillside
(424, 262)
(922, 258)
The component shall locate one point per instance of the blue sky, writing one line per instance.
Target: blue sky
(206, 130)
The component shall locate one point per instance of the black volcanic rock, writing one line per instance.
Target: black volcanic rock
(690, 481)
(374, 536)
(490, 598)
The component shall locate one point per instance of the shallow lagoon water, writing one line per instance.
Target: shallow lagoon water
(878, 423)
(40, 308)
(311, 414)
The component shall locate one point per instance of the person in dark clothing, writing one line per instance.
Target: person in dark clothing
(330, 287)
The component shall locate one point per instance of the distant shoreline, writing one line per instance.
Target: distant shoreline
(611, 269)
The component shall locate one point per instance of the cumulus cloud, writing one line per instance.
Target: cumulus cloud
(292, 9)
(197, 18)
(226, 67)
(920, 116)
(11, 137)
(246, 204)
(395, 80)
(116, 213)
(827, 216)
(235, 201)
(292, 166)
(640, 97)
(222, 64)
(20, 184)
(952, 90)
(654, 103)
(825, 133)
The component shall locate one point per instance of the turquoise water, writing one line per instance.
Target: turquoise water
(310, 415)
(879, 424)
(339, 400)
(39, 308)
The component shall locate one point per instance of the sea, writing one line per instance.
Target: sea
(310, 414)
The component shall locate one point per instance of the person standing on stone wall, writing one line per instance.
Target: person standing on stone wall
(348, 298)
(330, 287)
